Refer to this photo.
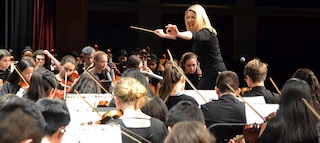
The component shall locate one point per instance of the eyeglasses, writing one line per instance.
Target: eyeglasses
(40, 59)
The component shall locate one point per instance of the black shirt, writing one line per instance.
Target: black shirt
(194, 78)
(270, 97)
(225, 110)
(173, 100)
(4, 74)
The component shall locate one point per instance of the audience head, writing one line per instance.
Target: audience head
(225, 77)
(26, 69)
(5, 59)
(20, 121)
(184, 111)
(43, 84)
(171, 77)
(88, 54)
(189, 62)
(134, 62)
(130, 92)
(255, 71)
(56, 115)
(42, 59)
(312, 80)
(189, 132)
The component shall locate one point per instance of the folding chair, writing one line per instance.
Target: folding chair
(225, 131)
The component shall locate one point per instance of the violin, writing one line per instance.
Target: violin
(244, 90)
(96, 47)
(110, 115)
(59, 93)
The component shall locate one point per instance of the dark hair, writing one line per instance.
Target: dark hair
(154, 58)
(256, 70)
(55, 113)
(21, 66)
(20, 119)
(123, 52)
(184, 111)
(41, 83)
(136, 51)
(229, 77)
(155, 107)
(27, 48)
(189, 132)
(75, 54)
(294, 122)
(47, 60)
(4, 53)
(312, 80)
(68, 58)
(186, 56)
(171, 76)
(133, 62)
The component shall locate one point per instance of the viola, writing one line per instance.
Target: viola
(112, 114)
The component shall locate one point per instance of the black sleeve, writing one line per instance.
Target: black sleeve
(202, 35)
(5, 89)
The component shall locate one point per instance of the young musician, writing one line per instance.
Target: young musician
(122, 59)
(227, 109)
(130, 96)
(189, 64)
(27, 52)
(100, 71)
(205, 43)
(293, 122)
(5, 62)
(15, 84)
(88, 56)
(172, 87)
(255, 73)
(41, 59)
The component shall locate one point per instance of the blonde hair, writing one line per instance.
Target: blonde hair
(131, 92)
(201, 19)
(256, 70)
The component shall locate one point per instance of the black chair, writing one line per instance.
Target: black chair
(225, 131)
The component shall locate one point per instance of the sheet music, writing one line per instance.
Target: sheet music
(75, 103)
(208, 95)
(263, 109)
(253, 100)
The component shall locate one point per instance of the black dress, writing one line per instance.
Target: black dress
(173, 100)
(156, 133)
(206, 46)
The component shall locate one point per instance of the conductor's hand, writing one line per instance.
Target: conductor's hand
(161, 34)
(172, 30)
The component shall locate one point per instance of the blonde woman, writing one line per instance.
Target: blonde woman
(130, 96)
(205, 43)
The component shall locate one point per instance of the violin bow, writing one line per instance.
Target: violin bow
(96, 81)
(19, 73)
(113, 123)
(65, 85)
(275, 86)
(244, 100)
(182, 73)
(87, 102)
(312, 110)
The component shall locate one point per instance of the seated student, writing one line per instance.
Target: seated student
(100, 71)
(14, 83)
(255, 73)
(42, 85)
(184, 111)
(5, 62)
(122, 59)
(227, 109)
(189, 63)
(293, 122)
(42, 60)
(312, 80)
(76, 57)
(20, 121)
(130, 96)
(88, 56)
(189, 132)
(172, 87)
(27, 52)
(57, 117)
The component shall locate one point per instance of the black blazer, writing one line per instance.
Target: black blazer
(225, 110)
(270, 97)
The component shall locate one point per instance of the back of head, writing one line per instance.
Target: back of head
(256, 70)
(131, 92)
(171, 76)
(41, 83)
(4, 53)
(21, 66)
(189, 132)
(225, 77)
(88, 50)
(55, 113)
(20, 119)
(133, 62)
(184, 111)
(201, 19)
(186, 56)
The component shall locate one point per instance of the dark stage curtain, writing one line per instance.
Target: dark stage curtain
(43, 25)
(19, 25)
